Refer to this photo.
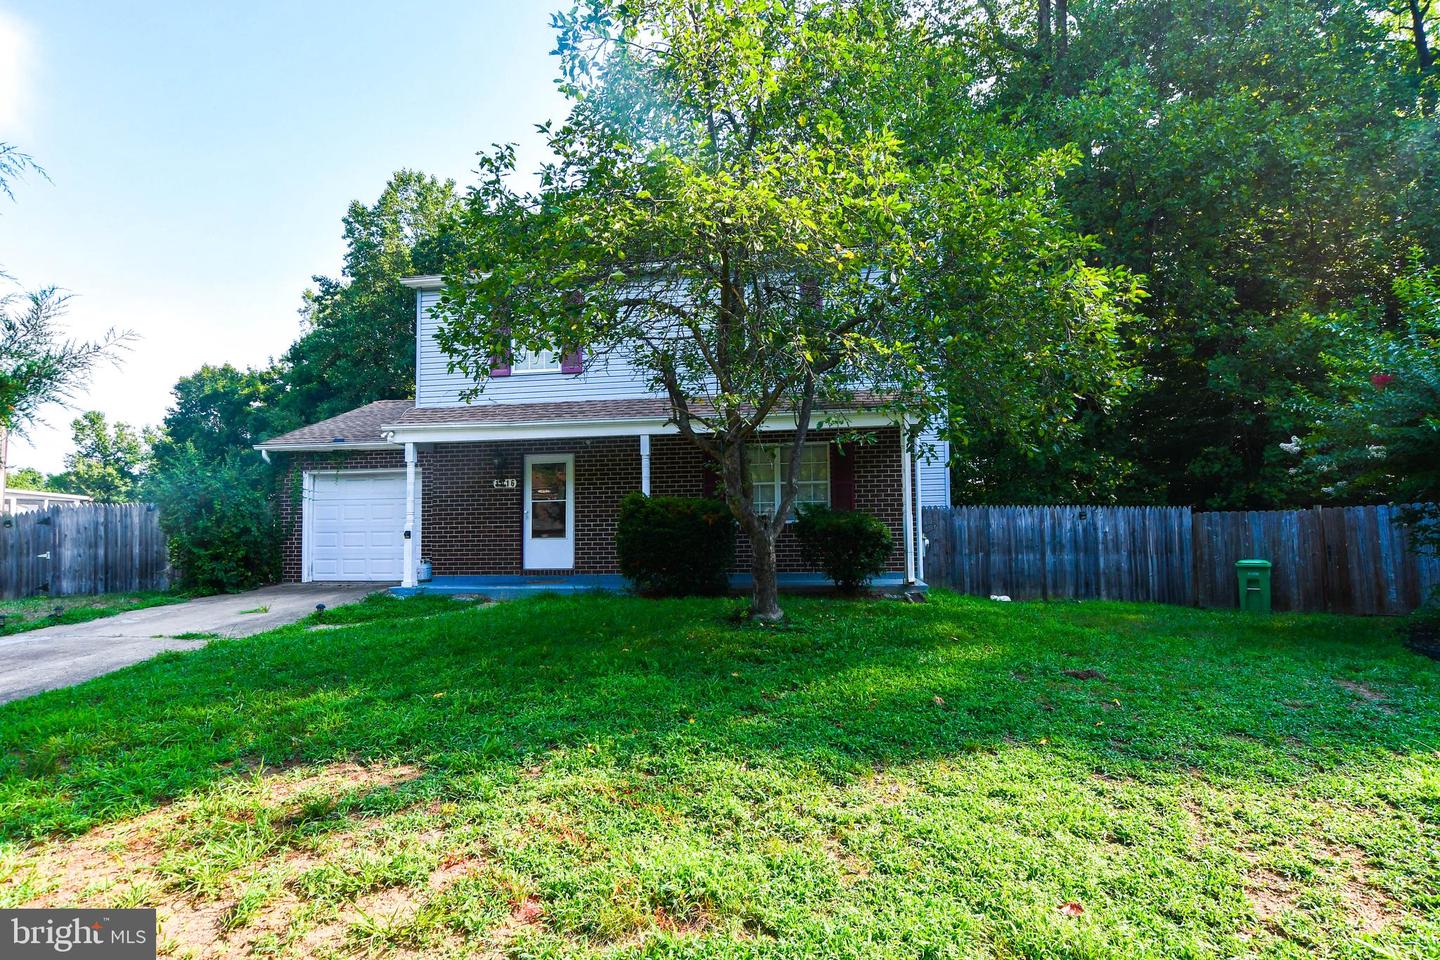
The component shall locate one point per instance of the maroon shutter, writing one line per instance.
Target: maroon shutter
(573, 361)
(842, 476)
(500, 363)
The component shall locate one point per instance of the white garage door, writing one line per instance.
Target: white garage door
(357, 526)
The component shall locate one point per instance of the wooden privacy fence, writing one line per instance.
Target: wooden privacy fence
(91, 548)
(1340, 559)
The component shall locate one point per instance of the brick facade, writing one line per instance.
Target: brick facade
(469, 527)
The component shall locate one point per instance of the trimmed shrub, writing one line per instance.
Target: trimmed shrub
(675, 546)
(219, 519)
(848, 546)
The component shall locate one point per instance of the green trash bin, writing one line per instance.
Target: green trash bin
(1254, 577)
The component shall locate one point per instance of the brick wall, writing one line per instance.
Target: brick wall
(677, 469)
(468, 527)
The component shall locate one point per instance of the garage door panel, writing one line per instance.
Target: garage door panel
(356, 527)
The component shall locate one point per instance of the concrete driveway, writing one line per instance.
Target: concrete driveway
(60, 656)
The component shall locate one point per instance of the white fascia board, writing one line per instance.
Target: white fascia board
(429, 282)
(580, 429)
(323, 447)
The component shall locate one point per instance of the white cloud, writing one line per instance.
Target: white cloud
(15, 51)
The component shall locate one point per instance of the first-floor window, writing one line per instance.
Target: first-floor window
(767, 472)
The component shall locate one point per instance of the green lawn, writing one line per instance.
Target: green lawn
(32, 613)
(590, 776)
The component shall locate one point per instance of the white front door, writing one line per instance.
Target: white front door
(355, 526)
(549, 511)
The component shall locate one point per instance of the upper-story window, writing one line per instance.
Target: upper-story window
(538, 361)
(812, 480)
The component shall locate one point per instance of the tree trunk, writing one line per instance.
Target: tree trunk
(1062, 25)
(765, 597)
(1042, 29)
(1424, 57)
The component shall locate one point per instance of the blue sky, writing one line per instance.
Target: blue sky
(201, 156)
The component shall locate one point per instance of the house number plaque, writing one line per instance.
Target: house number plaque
(507, 484)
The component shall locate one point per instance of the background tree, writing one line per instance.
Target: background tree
(108, 462)
(28, 478)
(37, 364)
(732, 205)
(219, 410)
(1261, 164)
(358, 340)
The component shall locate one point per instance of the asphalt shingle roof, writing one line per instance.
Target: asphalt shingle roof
(361, 425)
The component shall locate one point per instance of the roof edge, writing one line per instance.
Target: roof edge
(325, 446)
(429, 281)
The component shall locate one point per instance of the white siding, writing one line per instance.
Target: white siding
(435, 386)
(934, 470)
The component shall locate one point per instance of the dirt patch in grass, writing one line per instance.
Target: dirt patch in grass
(1363, 692)
(130, 863)
(337, 778)
(1348, 880)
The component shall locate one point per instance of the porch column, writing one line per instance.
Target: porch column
(919, 519)
(645, 464)
(408, 579)
(907, 500)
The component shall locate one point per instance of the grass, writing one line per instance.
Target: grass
(33, 613)
(610, 777)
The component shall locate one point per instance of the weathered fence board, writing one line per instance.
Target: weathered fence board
(90, 548)
(1120, 553)
(1340, 559)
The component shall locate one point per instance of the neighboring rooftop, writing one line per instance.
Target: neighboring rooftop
(355, 428)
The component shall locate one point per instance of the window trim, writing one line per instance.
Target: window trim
(776, 480)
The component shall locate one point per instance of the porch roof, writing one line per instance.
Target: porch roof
(387, 423)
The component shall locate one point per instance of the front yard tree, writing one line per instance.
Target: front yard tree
(38, 366)
(735, 202)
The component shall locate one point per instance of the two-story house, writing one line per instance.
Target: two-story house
(525, 480)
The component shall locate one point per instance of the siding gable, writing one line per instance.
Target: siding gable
(608, 378)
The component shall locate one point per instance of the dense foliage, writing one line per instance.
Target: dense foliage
(1262, 165)
(1377, 433)
(218, 517)
(675, 546)
(850, 547)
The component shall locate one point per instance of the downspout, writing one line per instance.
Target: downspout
(907, 501)
(919, 521)
(645, 464)
(409, 574)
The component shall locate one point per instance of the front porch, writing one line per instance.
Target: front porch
(516, 586)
